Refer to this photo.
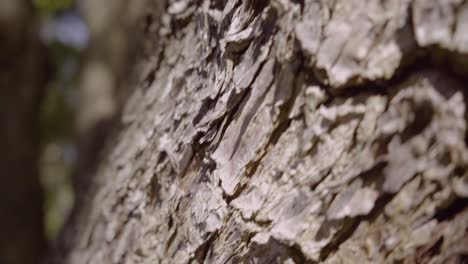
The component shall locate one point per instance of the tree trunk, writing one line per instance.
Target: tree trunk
(288, 132)
(22, 80)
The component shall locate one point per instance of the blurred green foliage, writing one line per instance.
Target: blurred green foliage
(57, 115)
(58, 138)
(56, 183)
(57, 119)
(56, 165)
(52, 6)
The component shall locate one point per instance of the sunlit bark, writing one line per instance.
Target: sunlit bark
(291, 132)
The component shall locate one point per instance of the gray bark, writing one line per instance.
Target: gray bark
(290, 132)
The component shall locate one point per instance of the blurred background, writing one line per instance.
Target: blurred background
(63, 66)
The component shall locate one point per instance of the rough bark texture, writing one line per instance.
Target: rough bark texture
(291, 132)
(22, 79)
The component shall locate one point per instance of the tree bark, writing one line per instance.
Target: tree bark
(288, 132)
